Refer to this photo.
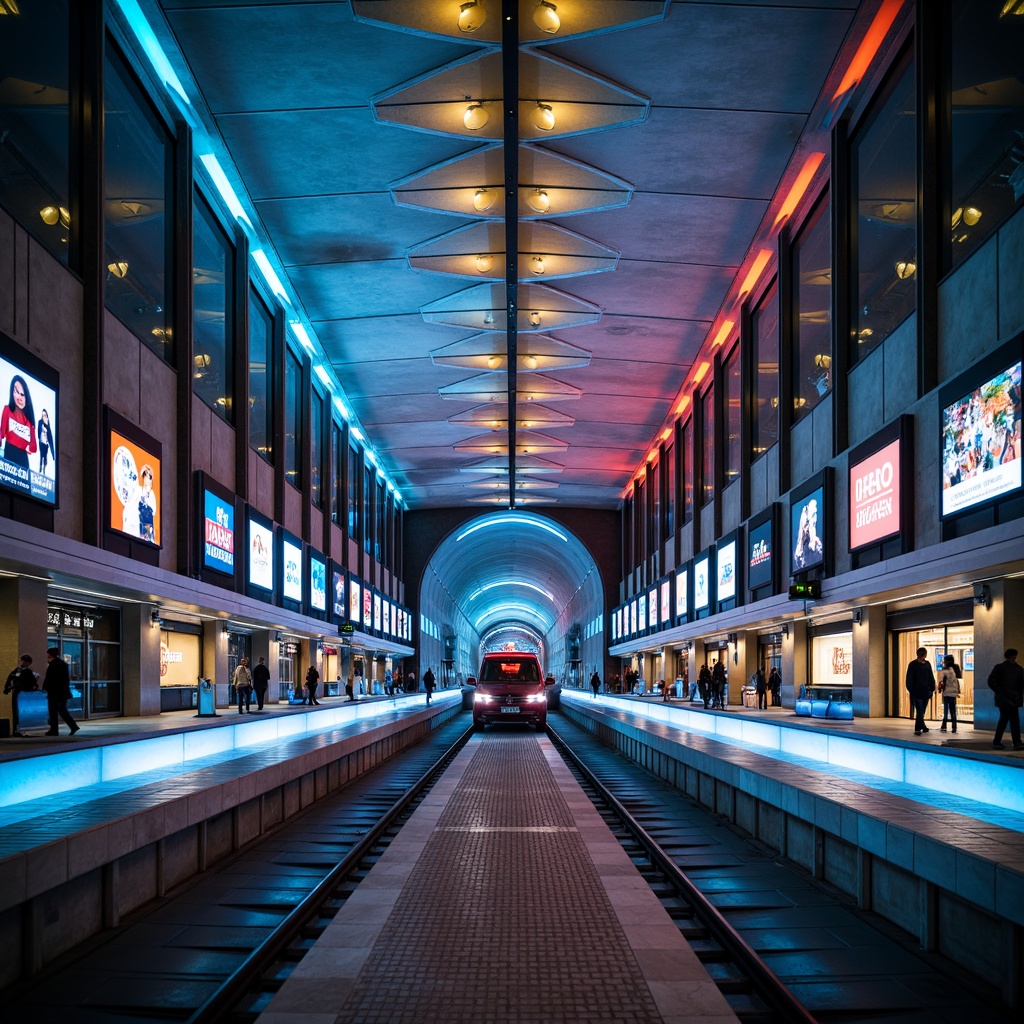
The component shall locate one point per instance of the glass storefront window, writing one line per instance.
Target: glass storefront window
(292, 418)
(287, 659)
(34, 122)
(138, 215)
(986, 159)
(367, 500)
(669, 522)
(89, 640)
(707, 471)
(731, 415)
(883, 176)
(379, 519)
(765, 334)
(686, 455)
(212, 284)
(316, 427)
(353, 493)
(832, 662)
(181, 661)
(338, 475)
(812, 312)
(261, 390)
(958, 640)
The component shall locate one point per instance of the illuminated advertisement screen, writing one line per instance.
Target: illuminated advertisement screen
(376, 612)
(261, 555)
(875, 497)
(367, 608)
(759, 554)
(355, 601)
(386, 618)
(726, 560)
(338, 606)
(981, 443)
(666, 600)
(28, 424)
(681, 595)
(134, 490)
(615, 625)
(641, 614)
(218, 533)
(632, 616)
(317, 583)
(701, 584)
(652, 608)
(808, 549)
(291, 569)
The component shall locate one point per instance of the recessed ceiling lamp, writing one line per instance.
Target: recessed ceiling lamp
(484, 262)
(475, 117)
(118, 268)
(542, 117)
(545, 17)
(539, 201)
(535, 318)
(52, 214)
(905, 269)
(537, 265)
(471, 16)
(483, 200)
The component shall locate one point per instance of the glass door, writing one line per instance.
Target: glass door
(73, 652)
(956, 639)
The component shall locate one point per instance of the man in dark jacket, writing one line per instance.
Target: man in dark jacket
(21, 680)
(1006, 680)
(57, 684)
(260, 682)
(428, 682)
(920, 685)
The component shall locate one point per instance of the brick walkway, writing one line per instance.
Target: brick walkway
(504, 899)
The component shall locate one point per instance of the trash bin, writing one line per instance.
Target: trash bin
(749, 698)
(207, 706)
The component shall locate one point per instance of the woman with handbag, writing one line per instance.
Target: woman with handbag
(949, 687)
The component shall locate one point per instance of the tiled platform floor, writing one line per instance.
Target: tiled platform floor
(505, 898)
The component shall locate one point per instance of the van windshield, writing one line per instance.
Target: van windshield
(510, 670)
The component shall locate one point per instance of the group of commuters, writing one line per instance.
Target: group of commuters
(1006, 681)
(56, 685)
(247, 682)
(711, 685)
(768, 690)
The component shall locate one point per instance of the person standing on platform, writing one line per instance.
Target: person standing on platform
(260, 682)
(389, 683)
(920, 685)
(1006, 680)
(718, 685)
(312, 681)
(21, 680)
(595, 683)
(774, 687)
(761, 688)
(428, 682)
(350, 687)
(949, 687)
(242, 680)
(704, 684)
(57, 684)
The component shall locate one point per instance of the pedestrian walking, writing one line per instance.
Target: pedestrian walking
(57, 684)
(1006, 681)
(21, 680)
(350, 687)
(775, 687)
(920, 685)
(242, 680)
(704, 684)
(761, 688)
(949, 687)
(718, 681)
(595, 683)
(312, 681)
(428, 682)
(260, 682)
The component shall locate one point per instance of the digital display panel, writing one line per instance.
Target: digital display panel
(355, 602)
(317, 583)
(386, 618)
(28, 427)
(632, 616)
(981, 443)
(218, 533)
(367, 608)
(726, 559)
(875, 497)
(134, 490)
(641, 614)
(682, 585)
(805, 531)
(760, 541)
(701, 584)
(338, 606)
(652, 608)
(666, 600)
(291, 569)
(261, 555)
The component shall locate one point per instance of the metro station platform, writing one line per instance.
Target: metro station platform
(504, 898)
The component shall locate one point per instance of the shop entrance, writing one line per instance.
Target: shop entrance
(956, 639)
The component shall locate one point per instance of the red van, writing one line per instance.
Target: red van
(510, 688)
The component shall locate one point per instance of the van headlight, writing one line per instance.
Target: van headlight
(482, 698)
(537, 698)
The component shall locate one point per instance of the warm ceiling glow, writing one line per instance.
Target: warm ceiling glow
(538, 200)
(475, 117)
(666, 433)
(530, 362)
(535, 318)
(803, 180)
(542, 117)
(760, 262)
(483, 199)
(118, 269)
(723, 333)
(471, 16)
(683, 405)
(484, 262)
(869, 46)
(537, 264)
(972, 214)
(701, 372)
(545, 17)
(906, 269)
(1010, 7)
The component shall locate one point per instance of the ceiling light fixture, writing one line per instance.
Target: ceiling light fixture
(906, 269)
(535, 318)
(971, 213)
(484, 262)
(483, 200)
(537, 264)
(539, 200)
(545, 17)
(119, 268)
(475, 117)
(1012, 7)
(542, 117)
(471, 16)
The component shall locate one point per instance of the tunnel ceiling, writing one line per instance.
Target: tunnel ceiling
(512, 566)
(346, 130)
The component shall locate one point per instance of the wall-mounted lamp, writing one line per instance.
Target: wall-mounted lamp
(983, 595)
(857, 615)
(154, 616)
(785, 629)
